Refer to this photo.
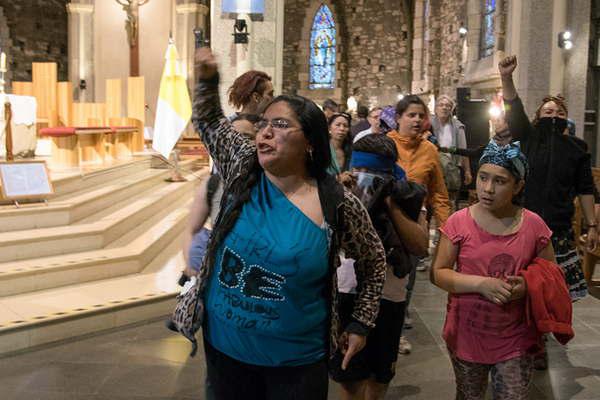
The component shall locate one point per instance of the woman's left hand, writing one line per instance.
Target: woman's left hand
(519, 287)
(592, 239)
(350, 345)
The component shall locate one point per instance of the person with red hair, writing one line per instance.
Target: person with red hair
(251, 92)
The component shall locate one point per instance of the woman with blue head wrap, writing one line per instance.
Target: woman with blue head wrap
(482, 250)
(508, 156)
(394, 204)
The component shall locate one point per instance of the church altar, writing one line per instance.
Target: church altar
(23, 126)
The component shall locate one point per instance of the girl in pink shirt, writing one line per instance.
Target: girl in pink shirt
(481, 251)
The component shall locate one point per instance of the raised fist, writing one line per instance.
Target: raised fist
(205, 63)
(507, 66)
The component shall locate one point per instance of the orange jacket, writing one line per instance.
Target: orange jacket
(420, 160)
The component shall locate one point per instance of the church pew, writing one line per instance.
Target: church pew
(76, 146)
(125, 135)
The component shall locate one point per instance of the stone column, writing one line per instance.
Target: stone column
(533, 45)
(576, 68)
(189, 16)
(81, 48)
(261, 53)
(419, 83)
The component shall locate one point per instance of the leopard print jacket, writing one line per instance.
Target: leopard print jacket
(235, 156)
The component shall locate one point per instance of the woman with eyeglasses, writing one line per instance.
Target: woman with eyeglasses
(267, 286)
(340, 141)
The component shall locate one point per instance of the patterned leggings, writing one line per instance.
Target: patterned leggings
(510, 378)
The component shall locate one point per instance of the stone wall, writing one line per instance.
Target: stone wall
(373, 49)
(5, 42)
(295, 15)
(451, 71)
(38, 33)
(378, 51)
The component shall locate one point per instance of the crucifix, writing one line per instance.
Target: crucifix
(132, 26)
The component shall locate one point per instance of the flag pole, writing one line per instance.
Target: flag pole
(175, 171)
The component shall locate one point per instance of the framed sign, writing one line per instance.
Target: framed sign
(22, 180)
(243, 6)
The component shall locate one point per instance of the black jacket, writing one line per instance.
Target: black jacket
(559, 168)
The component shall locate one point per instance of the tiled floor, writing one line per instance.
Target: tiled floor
(149, 362)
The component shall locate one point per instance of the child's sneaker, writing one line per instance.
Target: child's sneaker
(405, 346)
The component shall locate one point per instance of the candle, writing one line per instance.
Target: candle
(3, 61)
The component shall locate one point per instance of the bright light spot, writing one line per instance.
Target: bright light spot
(400, 96)
(567, 35)
(462, 30)
(495, 111)
(352, 103)
(568, 45)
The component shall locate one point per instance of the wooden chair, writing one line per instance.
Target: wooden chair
(589, 258)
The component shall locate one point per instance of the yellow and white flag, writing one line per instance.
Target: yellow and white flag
(174, 107)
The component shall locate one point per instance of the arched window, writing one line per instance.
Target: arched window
(322, 50)
(488, 40)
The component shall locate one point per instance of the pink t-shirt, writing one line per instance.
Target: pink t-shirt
(476, 329)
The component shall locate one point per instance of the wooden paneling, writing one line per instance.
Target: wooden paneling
(44, 90)
(65, 153)
(136, 108)
(89, 114)
(113, 98)
(65, 103)
(22, 88)
(91, 148)
(122, 141)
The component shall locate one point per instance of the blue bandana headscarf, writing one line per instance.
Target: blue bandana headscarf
(376, 162)
(508, 156)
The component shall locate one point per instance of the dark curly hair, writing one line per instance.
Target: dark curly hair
(246, 84)
(558, 99)
(377, 144)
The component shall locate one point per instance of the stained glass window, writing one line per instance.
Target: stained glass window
(322, 50)
(488, 40)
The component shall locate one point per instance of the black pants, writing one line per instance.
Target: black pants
(234, 380)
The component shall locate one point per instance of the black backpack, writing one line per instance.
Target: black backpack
(409, 196)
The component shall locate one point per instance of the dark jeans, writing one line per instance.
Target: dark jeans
(233, 380)
(412, 277)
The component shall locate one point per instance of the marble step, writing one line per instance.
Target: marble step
(25, 276)
(78, 205)
(35, 243)
(69, 182)
(33, 319)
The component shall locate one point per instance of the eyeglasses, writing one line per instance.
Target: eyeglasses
(276, 123)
